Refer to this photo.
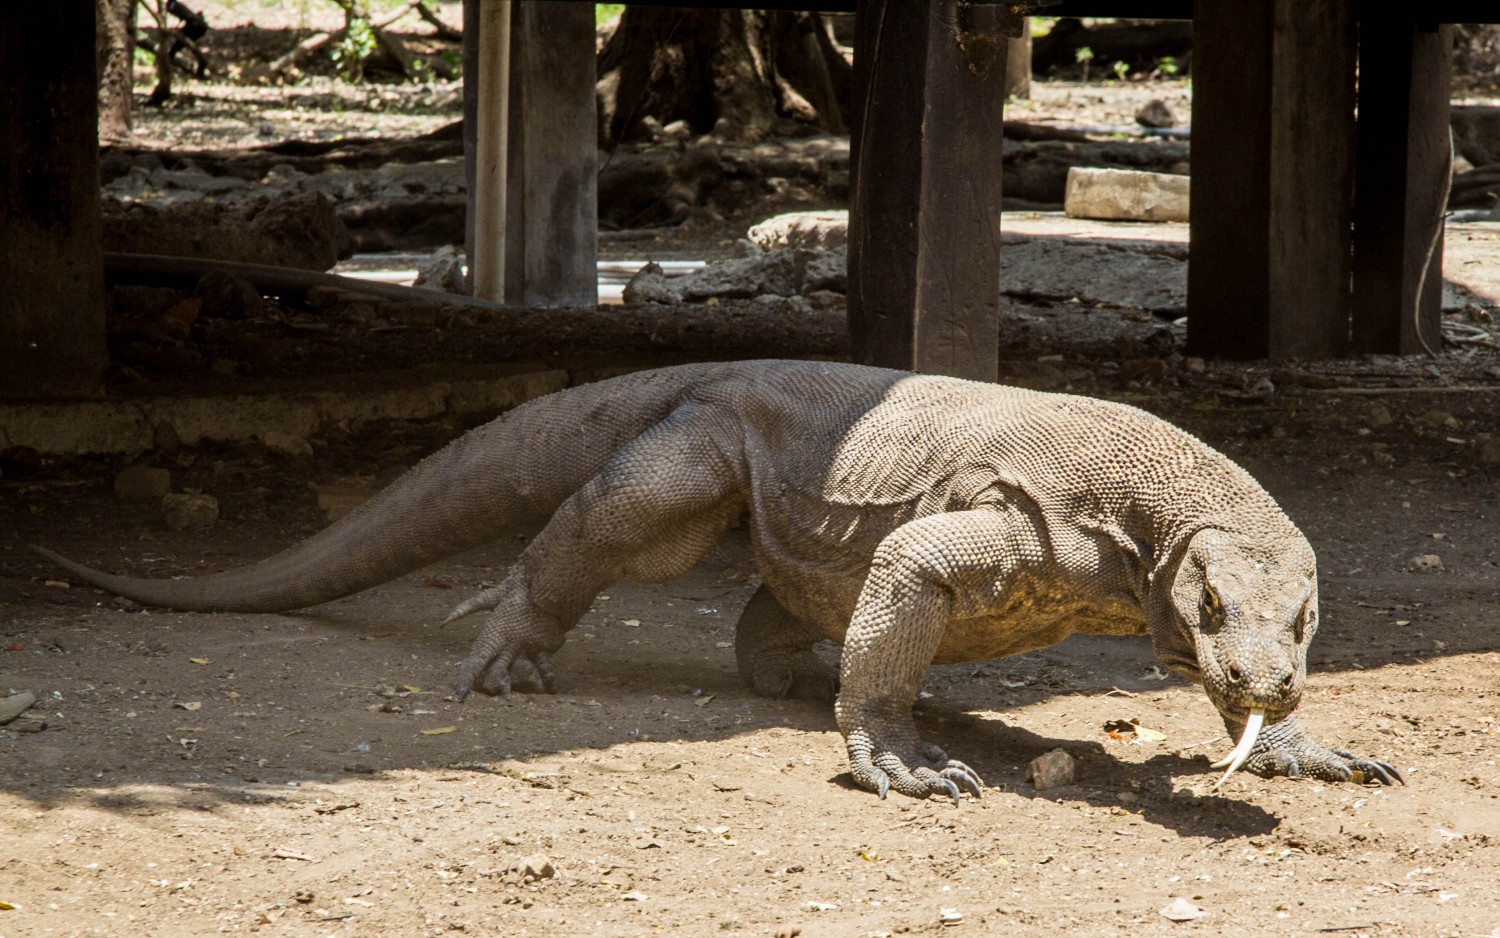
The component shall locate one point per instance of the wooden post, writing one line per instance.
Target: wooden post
(553, 207)
(1404, 169)
(924, 218)
(471, 128)
(51, 265)
(1272, 195)
(488, 259)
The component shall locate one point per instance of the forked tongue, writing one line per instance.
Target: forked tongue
(1241, 752)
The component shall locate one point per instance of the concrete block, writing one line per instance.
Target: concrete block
(1126, 195)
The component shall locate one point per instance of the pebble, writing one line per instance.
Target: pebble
(1052, 770)
(537, 867)
(1182, 910)
(146, 483)
(15, 705)
(289, 443)
(190, 511)
(1424, 562)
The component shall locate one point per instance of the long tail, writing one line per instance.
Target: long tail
(508, 475)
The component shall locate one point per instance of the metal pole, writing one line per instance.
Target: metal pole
(490, 171)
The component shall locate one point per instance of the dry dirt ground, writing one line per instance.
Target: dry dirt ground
(310, 774)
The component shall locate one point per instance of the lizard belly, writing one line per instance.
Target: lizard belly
(1030, 617)
(815, 556)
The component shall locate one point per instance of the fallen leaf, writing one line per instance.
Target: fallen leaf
(201, 660)
(701, 701)
(282, 853)
(432, 582)
(633, 623)
(439, 731)
(189, 705)
(6, 906)
(634, 897)
(58, 584)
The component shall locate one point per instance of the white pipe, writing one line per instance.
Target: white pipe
(488, 261)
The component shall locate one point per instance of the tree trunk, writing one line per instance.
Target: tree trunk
(116, 52)
(734, 73)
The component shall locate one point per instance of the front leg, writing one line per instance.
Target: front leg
(924, 575)
(1284, 749)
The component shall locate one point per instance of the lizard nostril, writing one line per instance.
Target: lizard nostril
(1286, 680)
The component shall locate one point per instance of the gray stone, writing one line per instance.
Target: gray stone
(442, 270)
(190, 511)
(1423, 563)
(288, 444)
(826, 270)
(228, 297)
(1052, 770)
(15, 705)
(1127, 195)
(818, 231)
(145, 483)
(1378, 416)
(1156, 113)
(651, 285)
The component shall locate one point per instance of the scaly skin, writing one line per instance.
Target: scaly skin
(914, 519)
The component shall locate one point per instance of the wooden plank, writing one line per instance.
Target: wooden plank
(1404, 165)
(552, 256)
(51, 265)
(1273, 140)
(1229, 249)
(491, 152)
(1312, 178)
(924, 220)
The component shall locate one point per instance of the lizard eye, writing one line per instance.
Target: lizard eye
(1306, 622)
(1211, 606)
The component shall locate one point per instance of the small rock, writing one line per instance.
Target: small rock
(1156, 113)
(950, 916)
(1195, 365)
(1440, 419)
(1052, 770)
(15, 705)
(650, 285)
(145, 483)
(190, 511)
(164, 438)
(1182, 910)
(820, 231)
(1423, 563)
(537, 867)
(227, 297)
(1144, 370)
(287, 443)
(442, 270)
(1125, 194)
(1378, 416)
(340, 499)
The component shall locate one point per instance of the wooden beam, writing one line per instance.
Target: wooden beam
(1272, 199)
(1404, 170)
(924, 219)
(553, 211)
(51, 265)
(491, 150)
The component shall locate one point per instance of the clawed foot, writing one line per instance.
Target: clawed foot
(1284, 749)
(920, 770)
(496, 676)
(803, 676)
(513, 651)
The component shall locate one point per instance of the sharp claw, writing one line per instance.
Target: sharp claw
(967, 778)
(885, 786)
(951, 789)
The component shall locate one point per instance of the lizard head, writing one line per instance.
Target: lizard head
(1248, 609)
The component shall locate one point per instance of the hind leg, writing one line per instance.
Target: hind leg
(774, 651)
(657, 507)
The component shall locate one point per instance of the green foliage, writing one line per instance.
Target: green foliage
(1120, 69)
(1083, 56)
(350, 53)
(1168, 66)
(603, 12)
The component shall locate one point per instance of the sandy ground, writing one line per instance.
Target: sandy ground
(311, 775)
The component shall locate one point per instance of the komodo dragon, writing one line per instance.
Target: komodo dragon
(915, 519)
